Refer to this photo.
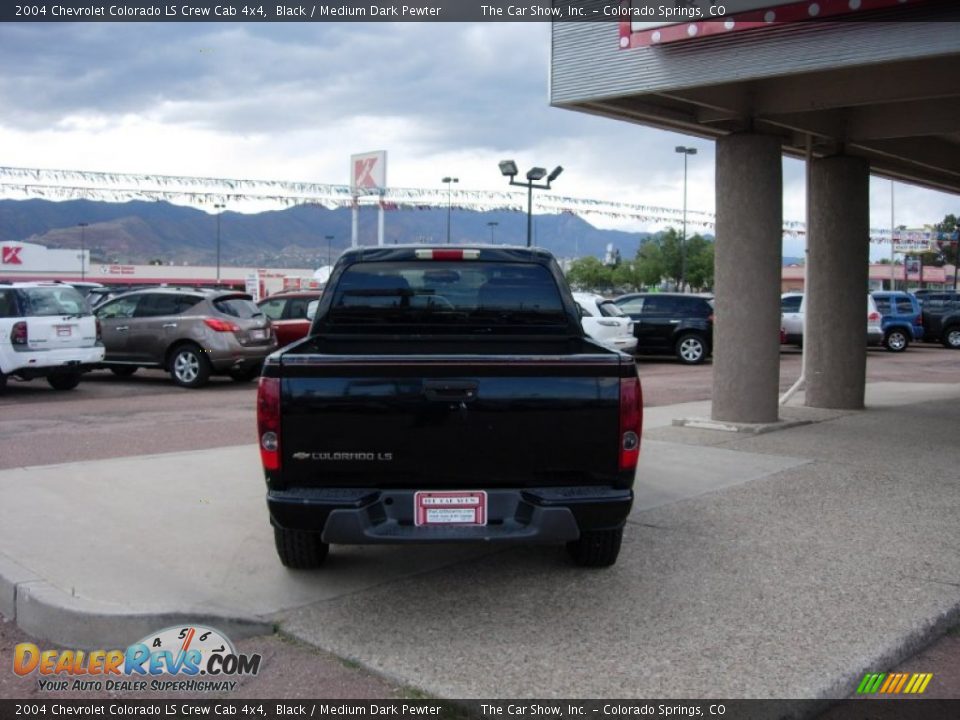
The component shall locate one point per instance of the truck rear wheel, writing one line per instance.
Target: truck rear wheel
(596, 548)
(300, 550)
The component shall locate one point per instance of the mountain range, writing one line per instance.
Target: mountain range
(140, 232)
(143, 232)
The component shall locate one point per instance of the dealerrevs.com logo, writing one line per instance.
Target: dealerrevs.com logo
(190, 659)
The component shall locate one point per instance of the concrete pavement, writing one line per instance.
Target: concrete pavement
(786, 564)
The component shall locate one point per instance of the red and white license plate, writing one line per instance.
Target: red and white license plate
(450, 507)
(63, 331)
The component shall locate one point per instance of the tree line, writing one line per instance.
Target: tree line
(659, 260)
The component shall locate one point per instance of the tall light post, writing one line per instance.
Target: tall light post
(219, 208)
(449, 180)
(685, 151)
(329, 239)
(508, 168)
(492, 224)
(83, 249)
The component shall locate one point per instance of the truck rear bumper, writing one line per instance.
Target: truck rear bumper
(367, 516)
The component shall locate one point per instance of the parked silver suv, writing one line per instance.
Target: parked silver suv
(190, 332)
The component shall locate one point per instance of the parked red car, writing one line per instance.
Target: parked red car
(290, 313)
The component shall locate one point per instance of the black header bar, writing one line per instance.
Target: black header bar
(657, 11)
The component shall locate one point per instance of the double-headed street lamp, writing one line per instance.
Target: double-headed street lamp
(83, 249)
(449, 181)
(492, 224)
(219, 208)
(329, 239)
(685, 151)
(509, 169)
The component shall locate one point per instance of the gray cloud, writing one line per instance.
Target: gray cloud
(483, 86)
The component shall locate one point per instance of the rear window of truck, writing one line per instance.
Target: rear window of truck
(448, 294)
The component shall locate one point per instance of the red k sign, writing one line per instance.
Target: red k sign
(361, 171)
(11, 255)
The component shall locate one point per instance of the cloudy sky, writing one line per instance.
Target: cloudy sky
(292, 101)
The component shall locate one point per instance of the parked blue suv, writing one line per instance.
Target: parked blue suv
(902, 319)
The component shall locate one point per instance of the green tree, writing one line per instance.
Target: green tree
(699, 262)
(588, 273)
(949, 224)
(649, 265)
(626, 276)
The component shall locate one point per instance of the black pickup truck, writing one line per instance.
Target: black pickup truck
(448, 395)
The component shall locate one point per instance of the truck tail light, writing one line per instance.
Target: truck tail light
(631, 422)
(18, 333)
(99, 330)
(221, 325)
(268, 421)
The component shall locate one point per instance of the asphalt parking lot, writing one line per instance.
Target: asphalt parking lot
(110, 417)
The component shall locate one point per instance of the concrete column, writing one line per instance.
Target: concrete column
(836, 299)
(747, 269)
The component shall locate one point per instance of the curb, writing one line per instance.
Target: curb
(48, 613)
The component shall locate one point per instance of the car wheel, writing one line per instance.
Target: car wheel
(188, 366)
(596, 548)
(691, 349)
(64, 381)
(124, 370)
(896, 340)
(245, 374)
(951, 337)
(300, 550)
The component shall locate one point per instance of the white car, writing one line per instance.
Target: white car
(792, 309)
(604, 322)
(46, 330)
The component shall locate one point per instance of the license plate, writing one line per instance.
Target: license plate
(450, 508)
(258, 334)
(63, 331)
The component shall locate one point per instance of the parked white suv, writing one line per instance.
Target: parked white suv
(792, 307)
(46, 330)
(605, 322)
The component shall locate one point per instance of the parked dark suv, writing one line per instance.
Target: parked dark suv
(671, 324)
(190, 332)
(941, 318)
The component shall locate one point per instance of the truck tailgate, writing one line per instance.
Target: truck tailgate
(450, 421)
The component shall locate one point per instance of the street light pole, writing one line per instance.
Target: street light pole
(508, 168)
(448, 181)
(685, 151)
(83, 249)
(219, 208)
(492, 224)
(329, 239)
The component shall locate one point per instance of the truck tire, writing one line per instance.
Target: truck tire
(189, 366)
(951, 337)
(896, 340)
(691, 349)
(246, 374)
(64, 381)
(300, 550)
(596, 548)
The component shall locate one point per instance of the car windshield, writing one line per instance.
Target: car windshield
(609, 309)
(454, 296)
(238, 306)
(49, 301)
